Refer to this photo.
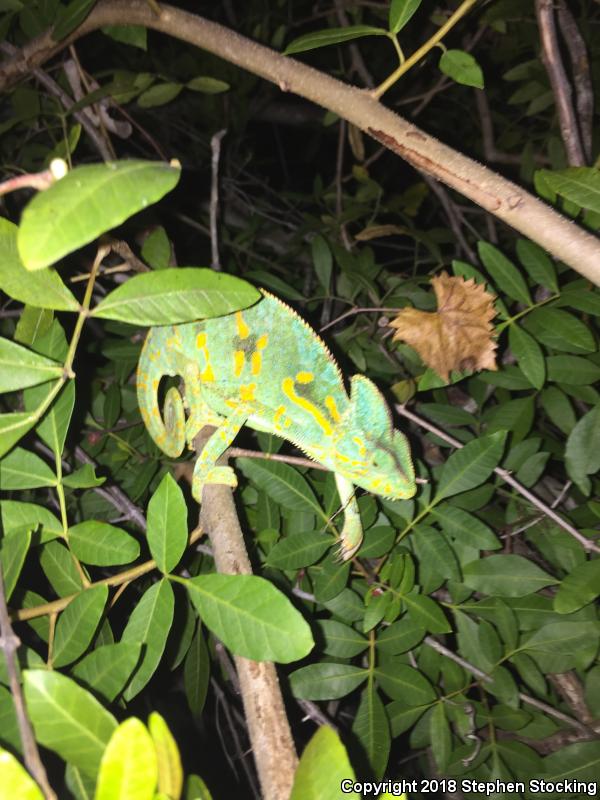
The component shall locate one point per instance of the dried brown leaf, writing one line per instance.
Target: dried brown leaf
(456, 336)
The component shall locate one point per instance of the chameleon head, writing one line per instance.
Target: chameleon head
(369, 452)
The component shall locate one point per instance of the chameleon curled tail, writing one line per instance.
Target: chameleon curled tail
(167, 431)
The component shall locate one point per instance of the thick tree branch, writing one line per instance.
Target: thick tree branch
(507, 201)
(268, 726)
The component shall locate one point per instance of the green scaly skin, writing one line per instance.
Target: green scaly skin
(266, 368)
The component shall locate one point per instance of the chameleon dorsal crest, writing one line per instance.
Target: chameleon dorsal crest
(265, 368)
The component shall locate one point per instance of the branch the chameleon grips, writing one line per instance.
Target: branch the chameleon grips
(267, 369)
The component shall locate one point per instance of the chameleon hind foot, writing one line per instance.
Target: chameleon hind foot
(220, 475)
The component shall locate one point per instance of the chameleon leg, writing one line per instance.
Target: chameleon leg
(352, 532)
(206, 470)
(200, 413)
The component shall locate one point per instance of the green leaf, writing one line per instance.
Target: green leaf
(561, 637)
(107, 669)
(167, 524)
(67, 719)
(327, 36)
(372, 729)
(12, 428)
(13, 550)
(170, 773)
(471, 465)
(529, 355)
(19, 517)
(207, 85)
(77, 625)
(129, 768)
(16, 781)
(101, 544)
(580, 185)
(196, 789)
(329, 579)
(54, 426)
(70, 17)
(169, 296)
(133, 35)
(149, 625)
(156, 249)
(400, 13)
(572, 370)
(341, 640)
(323, 768)
(81, 786)
(465, 527)
(99, 197)
(21, 469)
(558, 407)
(560, 330)
(537, 263)
(326, 681)
(506, 576)
(322, 261)
(462, 67)
(196, 673)
(400, 636)
(427, 613)
(582, 452)
(41, 289)
(299, 550)
(159, 95)
(20, 367)
(251, 617)
(9, 730)
(432, 548)
(574, 762)
(504, 273)
(84, 477)
(441, 737)
(400, 681)
(282, 483)
(58, 566)
(580, 587)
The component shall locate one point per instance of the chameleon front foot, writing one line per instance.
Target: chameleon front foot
(220, 475)
(348, 545)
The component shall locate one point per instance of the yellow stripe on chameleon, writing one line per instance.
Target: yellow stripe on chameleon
(153, 356)
(242, 329)
(261, 342)
(201, 341)
(280, 411)
(287, 386)
(361, 445)
(238, 362)
(247, 392)
(207, 374)
(304, 377)
(256, 363)
(332, 408)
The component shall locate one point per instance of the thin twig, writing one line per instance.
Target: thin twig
(559, 82)
(10, 644)
(215, 145)
(483, 676)
(586, 543)
(120, 578)
(582, 80)
(57, 91)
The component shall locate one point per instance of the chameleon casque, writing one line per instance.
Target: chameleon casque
(266, 368)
